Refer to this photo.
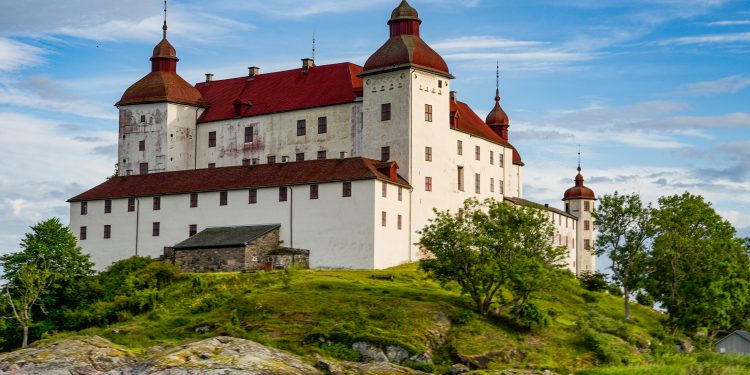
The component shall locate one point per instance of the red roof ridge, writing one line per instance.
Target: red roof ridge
(469, 122)
(238, 177)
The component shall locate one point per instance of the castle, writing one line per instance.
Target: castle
(349, 161)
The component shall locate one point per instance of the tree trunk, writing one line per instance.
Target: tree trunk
(25, 336)
(627, 303)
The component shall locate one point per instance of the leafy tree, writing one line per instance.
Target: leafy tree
(625, 228)
(488, 246)
(27, 287)
(593, 281)
(700, 273)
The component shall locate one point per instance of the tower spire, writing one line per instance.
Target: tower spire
(579, 158)
(313, 45)
(497, 82)
(164, 28)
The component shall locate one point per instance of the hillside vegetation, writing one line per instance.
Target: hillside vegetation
(322, 312)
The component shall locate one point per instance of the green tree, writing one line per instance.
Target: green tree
(699, 272)
(24, 292)
(489, 246)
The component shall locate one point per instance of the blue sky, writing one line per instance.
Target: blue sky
(655, 92)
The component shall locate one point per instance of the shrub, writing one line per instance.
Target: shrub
(614, 289)
(644, 299)
(590, 297)
(463, 316)
(340, 351)
(529, 315)
(593, 281)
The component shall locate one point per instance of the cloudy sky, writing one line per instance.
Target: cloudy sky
(655, 92)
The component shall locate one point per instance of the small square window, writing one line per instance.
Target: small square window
(84, 208)
(193, 200)
(82, 233)
(155, 229)
(212, 165)
(385, 153)
(212, 139)
(252, 196)
(385, 112)
(192, 230)
(157, 203)
(313, 191)
(322, 155)
(428, 153)
(131, 204)
(223, 198)
(246, 162)
(322, 125)
(428, 183)
(248, 134)
(107, 206)
(346, 189)
(143, 168)
(301, 127)
(271, 159)
(300, 156)
(282, 194)
(107, 231)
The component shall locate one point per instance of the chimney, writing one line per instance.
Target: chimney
(307, 63)
(252, 72)
(453, 96)
(209, 78)
(343, 155)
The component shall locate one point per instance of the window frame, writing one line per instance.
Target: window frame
(385, 153)
(477, 153)
(283, 194)
(143, 168)
(249, 134)
(428, 112)
(301, 127)
(252, 196)
(461, 178)
(428, 153)
(459, 147)
(82, 233)
(383, 219)
(384, 189)
(155, 229)
(385, 112)
(271, 159)
(477, 183)
(193, 200)
(211, 139)
(322, 155)
(346, 189)
(323, 125)
(314, 191)
(84, 208)
(107, 206)
(223, 198)
(156, 205)
(131, 204)
(107, 234)
(427, 183)
(300, 156)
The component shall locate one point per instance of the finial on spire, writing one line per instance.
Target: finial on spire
(313, 50)
(164, 28)
(579, 158)
(497, 82)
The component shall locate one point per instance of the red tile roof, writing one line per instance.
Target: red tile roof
(579, 191)
(281, 91)
(242, 177)
(468, 121)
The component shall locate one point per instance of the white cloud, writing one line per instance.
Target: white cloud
(709, 39)
(729, 23)
(731, 84)
(15, 55)
(481, 42)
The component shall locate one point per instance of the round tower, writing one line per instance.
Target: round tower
(579, 202)
(158, 116)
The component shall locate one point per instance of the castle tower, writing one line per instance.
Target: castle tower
(579, 202)
(158, 116)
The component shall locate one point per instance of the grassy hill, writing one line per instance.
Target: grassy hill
(323, 312)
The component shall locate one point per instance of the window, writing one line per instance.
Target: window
(271, 159)
(141, 145)
(211, 139)
(248, 134)
(492, 157)
(400, 193)
(157, 203)
(586, 225)
(567, 207)
(282, 194)
(428, 153)
(322, 125)
(501, 186)
(428, 112)
(346, 190)
(459, 147)
(384, 189)
(192, 230)
(107, 231)
(82, 233)
(252, 196)
(382, 218)
(586, 206)
(398, 222)
(84, 208)
(460, 178)
(301, 127)
(587, 244)
(143, 168)
(107, 206)
(500, 160)
(223, 198)
(194, 200)
(300, 156)
(428, 184)
(131, 204)
(477, 153)
(143, 118)
(313, 191)
(155, 229)
(246, 162)
(322, 155)
(385, 153)
(477, 183)
(492, 185)
(385, 112)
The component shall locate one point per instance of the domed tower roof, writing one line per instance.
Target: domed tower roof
(579, 191)
(405, 47)
(163, 84)
(497, 119)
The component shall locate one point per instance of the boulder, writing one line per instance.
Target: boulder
(369, 353)
(396, 354)
(88, 355)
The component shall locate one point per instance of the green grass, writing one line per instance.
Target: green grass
(322, 312)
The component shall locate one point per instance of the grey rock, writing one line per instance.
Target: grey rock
(396, 354)
(203, 329)
(459, 369)
(369, 353)
(423, 358)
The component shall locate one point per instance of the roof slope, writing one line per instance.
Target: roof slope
(162, 86)
(468, 121)
(528, 203)
(281, 91)
(240, 177)
(225, 236)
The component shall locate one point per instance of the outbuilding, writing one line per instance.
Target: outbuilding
(737, 342)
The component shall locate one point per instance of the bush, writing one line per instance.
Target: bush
(644, 299)
(590, 297)
(614, 289)
(529, 315)
(604, 346)
(340, 351)
(464, 316)
(593, 281)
